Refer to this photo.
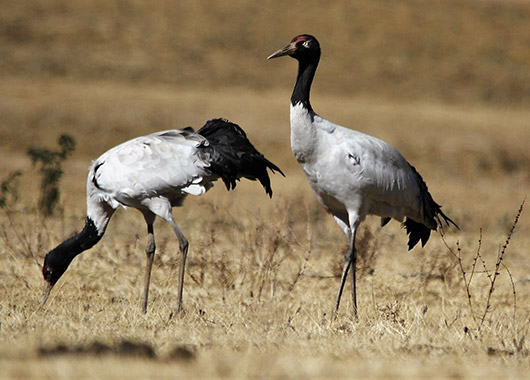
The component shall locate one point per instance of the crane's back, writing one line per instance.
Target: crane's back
(161, 164)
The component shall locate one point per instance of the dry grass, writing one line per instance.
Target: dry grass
(263, 274)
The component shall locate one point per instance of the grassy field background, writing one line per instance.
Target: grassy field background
(447, 83)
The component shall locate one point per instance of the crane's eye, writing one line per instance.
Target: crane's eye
(306, 43)
(47, 272)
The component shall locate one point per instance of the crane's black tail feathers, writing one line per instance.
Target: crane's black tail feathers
(431, 213)
(416, 231)
(419, 231)
(233, 156)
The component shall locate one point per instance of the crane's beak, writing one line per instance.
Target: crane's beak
(288, 50)
(46, 292)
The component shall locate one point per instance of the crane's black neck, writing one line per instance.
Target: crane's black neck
(302, 88)
(57, 260)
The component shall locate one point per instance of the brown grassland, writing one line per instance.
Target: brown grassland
(445, 82)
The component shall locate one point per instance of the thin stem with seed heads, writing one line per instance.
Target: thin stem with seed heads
(463, 272)
(498, 264)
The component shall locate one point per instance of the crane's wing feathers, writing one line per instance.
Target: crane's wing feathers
(380, 171)
(388, 179)
(156, 164)
(371, 168)
(232, 156)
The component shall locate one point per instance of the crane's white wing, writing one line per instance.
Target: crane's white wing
(355, 168)
(163, 163)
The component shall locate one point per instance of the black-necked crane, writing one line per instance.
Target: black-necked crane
(152, 174)
(352, 174)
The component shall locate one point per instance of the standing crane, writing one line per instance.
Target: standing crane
(352, 174)
(152, 174)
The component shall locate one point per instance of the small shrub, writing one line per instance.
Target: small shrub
(9, 189)
(50, 163)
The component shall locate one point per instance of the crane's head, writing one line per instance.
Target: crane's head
(302, 47)
(58, 259)
(53, 268)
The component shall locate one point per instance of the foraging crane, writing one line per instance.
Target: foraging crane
(352, 174)
(153, 174)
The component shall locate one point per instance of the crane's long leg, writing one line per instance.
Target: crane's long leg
(350, 260)
(353, 263)
(150, 253)
(183, 244)
(347, 265)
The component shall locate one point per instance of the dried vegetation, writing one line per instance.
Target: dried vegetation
(446, 83)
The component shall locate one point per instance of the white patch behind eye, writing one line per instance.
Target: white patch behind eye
(306, 44)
